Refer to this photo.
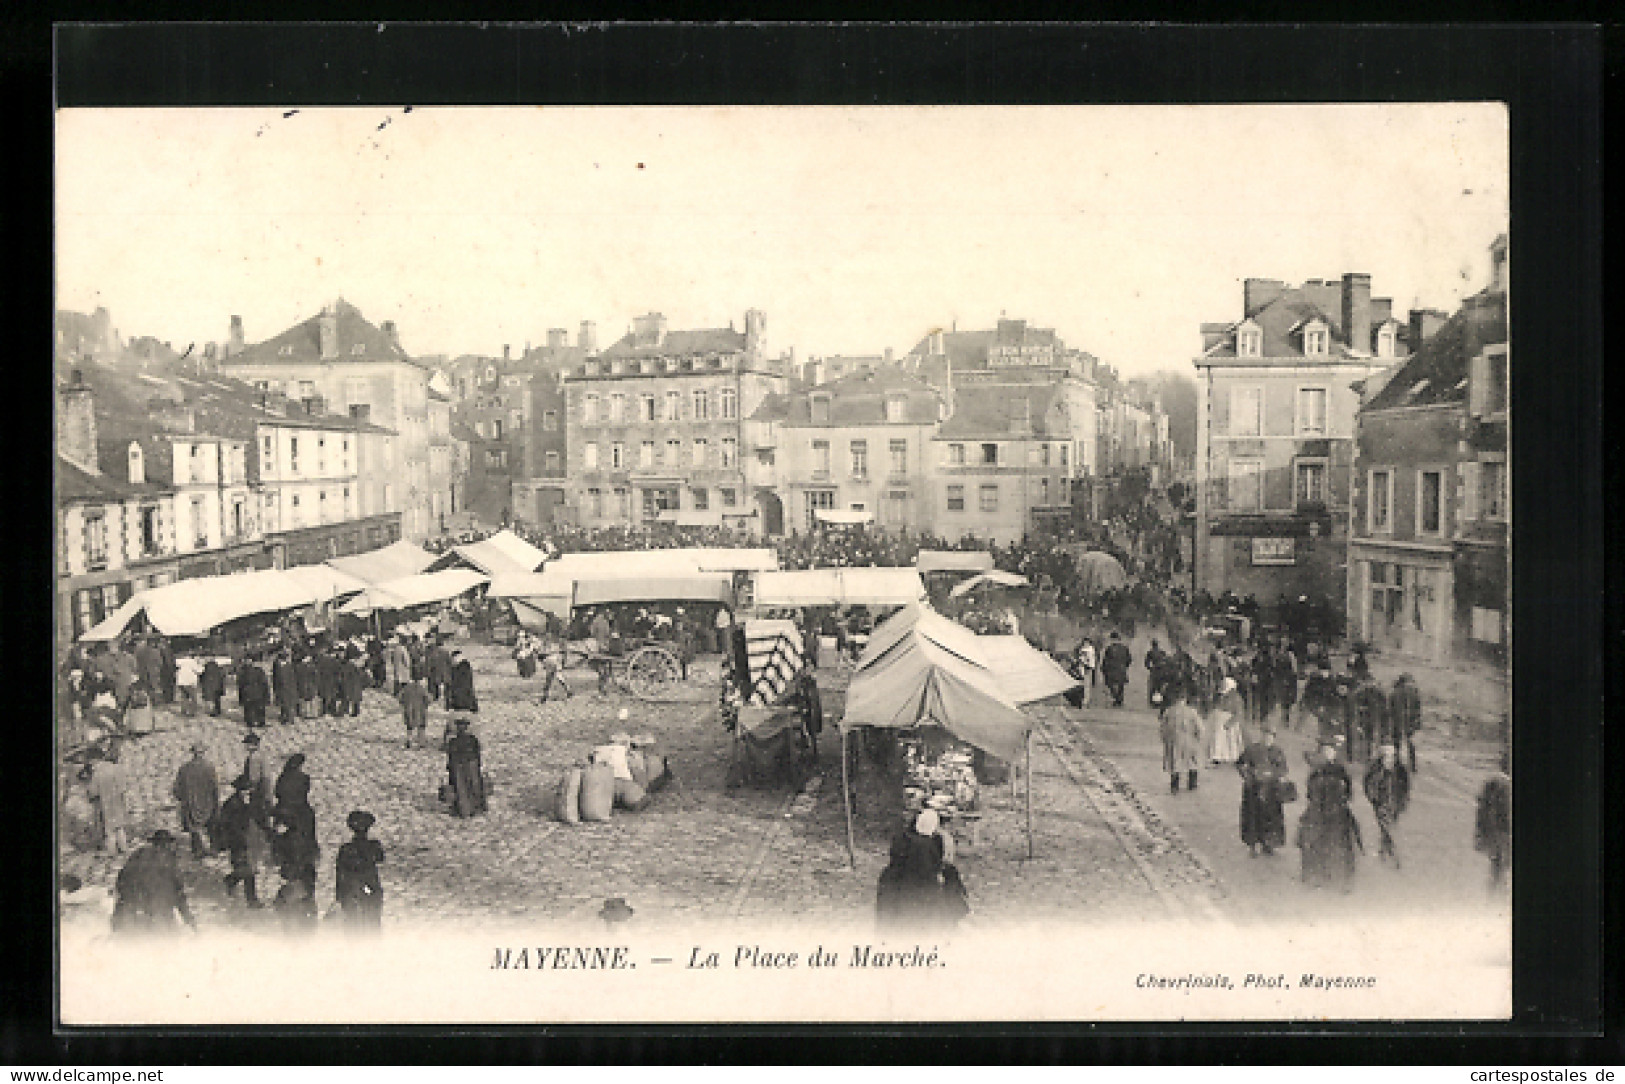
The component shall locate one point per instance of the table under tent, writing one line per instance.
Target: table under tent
(923, 672)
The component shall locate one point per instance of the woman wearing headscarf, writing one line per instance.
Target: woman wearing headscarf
(460, 691)
(1224, 722)
(1328, 834)
(355, 876)
(912, 893)
(293, 784)
(463, 769)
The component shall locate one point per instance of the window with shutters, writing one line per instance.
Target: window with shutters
(674, 406)
(860, 459)
(730, 453)
(899, 458)
(820, 458)
(702, 405)
(1429, 502)
(1246, 412)
(956, 498)
(1492, 489)
(1311, 416)
(95, 540)
(956, 455)
(1380, 502)
(1311, 481)
(990, 498)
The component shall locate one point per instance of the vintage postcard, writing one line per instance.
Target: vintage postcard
(771, 564)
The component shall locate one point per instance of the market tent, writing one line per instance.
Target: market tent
(388, 563)
(663, 563)
(325, 582)
(954, 561)
(994, 578)
(502, 552)
(194, 607)
(840, 586)
(922, 669)
(1025, 673)
(1098, 571)
(723, 559)
(775, 655)
(422, 589)
(694, 587)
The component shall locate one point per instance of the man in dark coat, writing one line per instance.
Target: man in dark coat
(1263, 681)
(149, 891)
(1367, 718)
(240, 819)
(1492, 829)
(149, 663)
(438, 669)
(211, 685)
(166, 672)
(357, 887)
(253, 693)
(292, 785)
(463, 767)
(1284, 682)
(460, 690)
(1328, 834)
(414, 700)
(329, 680)
(1388, 789)
(1405, 716)
(353, 682)
(1114, 667)
(1156, 669)
(254, 770)
(197, 794)
(309, 690)
(284, 685)
(1263, 769)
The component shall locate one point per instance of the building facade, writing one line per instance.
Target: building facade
(1275, 435)
(1428, 558)
(655, 425)
(857, 449)
(339, 362)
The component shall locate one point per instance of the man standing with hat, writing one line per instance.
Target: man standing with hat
(241, 820)
(258, 776)
(149, 889)
(197, 792)
(360, 893)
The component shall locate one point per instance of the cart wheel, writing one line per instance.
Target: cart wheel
(650, 671)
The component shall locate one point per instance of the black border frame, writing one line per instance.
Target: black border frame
(1552, 76)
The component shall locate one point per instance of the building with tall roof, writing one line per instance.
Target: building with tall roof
(853, 450)
(655, 426)
(1428, 567)
(1275, 434)
(337, 361)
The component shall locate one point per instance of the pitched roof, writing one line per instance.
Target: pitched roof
(996, 411)
(774, 407)
(966, 349)
(711, 340)
(1437, 373)
(860, 399)
(74, 484)
(302, 344)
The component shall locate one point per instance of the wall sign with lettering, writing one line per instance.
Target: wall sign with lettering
(1275, 551)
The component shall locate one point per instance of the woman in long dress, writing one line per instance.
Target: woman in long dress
(463, 769)
(1263, 769)
(1224, 723)
(1328, 834)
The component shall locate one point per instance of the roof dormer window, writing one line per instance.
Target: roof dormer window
(820, 409)
(1385, 341)
(1316, 339)
(1249, 340)
(138, 469)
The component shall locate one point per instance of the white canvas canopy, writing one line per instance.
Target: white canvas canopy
(844, 517)
(993, 578)
(390, 562)
(502, 552)
(723, 559)
(954, 561)
(195, 607)
(921, 669)
(694, 587)
(840, 586)
(325, 582)
(423, 589)
(1025, 673)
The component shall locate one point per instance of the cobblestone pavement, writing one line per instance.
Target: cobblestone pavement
(701, 851)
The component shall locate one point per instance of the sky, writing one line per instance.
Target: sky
(853, 229)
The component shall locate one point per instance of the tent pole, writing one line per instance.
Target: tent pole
(1029, 794)
(846, 797)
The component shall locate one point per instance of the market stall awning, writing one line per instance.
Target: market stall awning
(502, 552)
(424, 589)
(662, 563)
(923, 670)
(954, 561)
(694, 587)
(390, 562)
(1025, 673)
(844, 517)
(723, 559)
(994, 578)
(325, 582)
(195, 607)
(840, 586)
(549, 583)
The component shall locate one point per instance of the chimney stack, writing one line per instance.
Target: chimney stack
(328, 328)
(392, 335)
(649, 329)
(558, 338)
(507, 353)
(888, 355)
(755, 331)
(236, 337)
(587, 339)
(1256, 293)
(76, 423)
(937, 349)
(1357, 311)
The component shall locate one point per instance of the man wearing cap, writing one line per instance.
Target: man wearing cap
(464, 772)
(197, 794)
(359, 892)
(149, 891)
(1114, 666)
(243, 828)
